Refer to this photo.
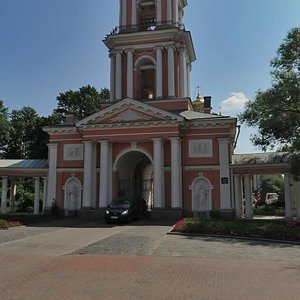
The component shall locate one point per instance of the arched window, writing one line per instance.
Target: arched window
(145, 78)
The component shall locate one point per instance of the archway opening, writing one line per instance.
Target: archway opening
(145, 79)
(135, 177)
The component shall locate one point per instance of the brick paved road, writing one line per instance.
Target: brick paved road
(139, 261)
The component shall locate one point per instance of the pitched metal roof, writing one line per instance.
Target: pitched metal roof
(24, 163)
(260, 158)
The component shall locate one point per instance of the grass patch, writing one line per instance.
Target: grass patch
(268, 229)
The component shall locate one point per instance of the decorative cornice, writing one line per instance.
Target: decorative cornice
(65, 130)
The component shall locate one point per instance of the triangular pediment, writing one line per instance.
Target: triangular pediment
(129, 111)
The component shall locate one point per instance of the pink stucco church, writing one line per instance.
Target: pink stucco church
(150, 141)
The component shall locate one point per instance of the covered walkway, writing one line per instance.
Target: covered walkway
(244, 168)
(11, 169)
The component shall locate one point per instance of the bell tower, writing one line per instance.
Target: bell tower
(150, 51)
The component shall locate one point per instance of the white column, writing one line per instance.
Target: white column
(124, 13)
(169, 11)
(159, 11)
(183, 71)
(36, 205)
(159, 73)
(110, 172)
(45, 180)
(171, 73)
(238, 195)
(118, 79)
(248, 197)
(13, 192)
(287, 196)
(4, 194)
(224, 173)
(175, 12)
(51, 192)
(298, 198)
(87, 175)
(94, 176)
(129, 73)
(133, 13)
(158, 172)
(112, 77)
(104, 158)
(176, 182)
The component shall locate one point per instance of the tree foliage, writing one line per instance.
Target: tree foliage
(21, 133)
(24, 123)
(272, 184)
(275, 112)
(81, 103)
(5, 128)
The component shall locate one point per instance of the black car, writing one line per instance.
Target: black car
(123, 210)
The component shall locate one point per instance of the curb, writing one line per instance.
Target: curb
(236, 237)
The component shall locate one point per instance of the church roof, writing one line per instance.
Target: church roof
(194, 115)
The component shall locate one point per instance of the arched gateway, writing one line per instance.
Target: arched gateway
(134, 175)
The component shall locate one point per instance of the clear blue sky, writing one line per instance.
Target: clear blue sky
(51, 46)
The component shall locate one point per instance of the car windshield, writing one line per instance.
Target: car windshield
(120, 203)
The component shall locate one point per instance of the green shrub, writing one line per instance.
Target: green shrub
(215, 214)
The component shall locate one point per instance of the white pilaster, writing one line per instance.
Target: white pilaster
(51, 192)
(188, 79)
(248, 197)
(238, 195)
(124, 13)
(169, 11)
(158, 172)
(112, 77)
(118, 79)
(87, 175)
(159, 75)
(104, 182)
(176, 182)
(298, 198)
(129, 73)
(171, 72)
(175, 12)
(36, 205)
(4, 194)
(183, 73)
(133, 13)
(287, 196)
(159, 11)
(224, 173)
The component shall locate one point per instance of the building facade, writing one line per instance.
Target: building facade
(150, 141)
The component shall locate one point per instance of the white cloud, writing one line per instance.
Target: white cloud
(234, 103)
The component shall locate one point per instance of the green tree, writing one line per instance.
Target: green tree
(275, 112)
(5, 129)
(272, 183)
(24, 123)
(81, 103)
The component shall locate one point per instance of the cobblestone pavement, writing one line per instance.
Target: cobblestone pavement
(76, 259)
